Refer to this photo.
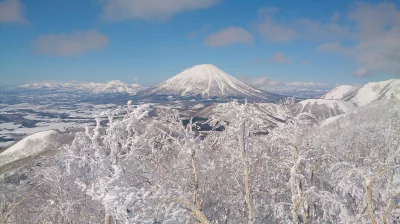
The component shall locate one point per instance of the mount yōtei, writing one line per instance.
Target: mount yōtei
(206, 80)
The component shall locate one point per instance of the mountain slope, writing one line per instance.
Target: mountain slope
(114, 86)
(206, 80)
(28, 146)
(339, 92)
(375, 91)
(323, 109)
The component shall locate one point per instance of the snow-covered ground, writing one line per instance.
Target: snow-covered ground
(339, 92)
(375, 91)
(23, 119)
(322, 108)
(29, 146)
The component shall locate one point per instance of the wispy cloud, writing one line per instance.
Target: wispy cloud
(72, 44)
(305, 84)
(279, 58)
(229, 36)
(266, 83)
(159, 10)
(198, 32)
(260, 82)
(12, 11)
(273, 31)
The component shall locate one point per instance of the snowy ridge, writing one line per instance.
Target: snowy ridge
(375, 91)
(323, 109)
(339, 92)
(28, 146)
(206, 80)
(114, 86)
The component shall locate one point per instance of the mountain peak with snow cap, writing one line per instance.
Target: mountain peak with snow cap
(206, 80)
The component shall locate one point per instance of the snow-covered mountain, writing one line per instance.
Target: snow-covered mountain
(206, 80)
(367, 94)
(323, 109)
(114, 86)
(375, 91)
(345, 99)
(339, 92)
(29, 146)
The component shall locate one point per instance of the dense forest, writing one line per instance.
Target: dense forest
(145, 166)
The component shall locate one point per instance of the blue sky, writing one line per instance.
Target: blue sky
(264, 43)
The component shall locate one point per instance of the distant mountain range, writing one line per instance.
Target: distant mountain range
(208, 81)
(205, 81)
(114, 86)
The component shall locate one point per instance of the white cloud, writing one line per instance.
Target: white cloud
(334, 47)
(229, 36)
(265, 83)
(361, 72)
(11, 11)
(273, 31)
(279, 58)
(377, 47)
(305, 84)
(261, 82)
(315, 30)
(119, 10)
(72, 44)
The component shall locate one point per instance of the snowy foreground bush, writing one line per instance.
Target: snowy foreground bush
(142, 169)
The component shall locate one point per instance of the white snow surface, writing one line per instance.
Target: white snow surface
(375, 91)
(264, 115)
(208, 81)
(40, 136)
(323, 109)
(30, 146)
(114, 86)
(338, 92)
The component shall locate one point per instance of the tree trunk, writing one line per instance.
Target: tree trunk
(388, 208)
(195, 179)
(293, 190)
(107, 219)
(304, 204)
(369, 203)
(246, 175)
